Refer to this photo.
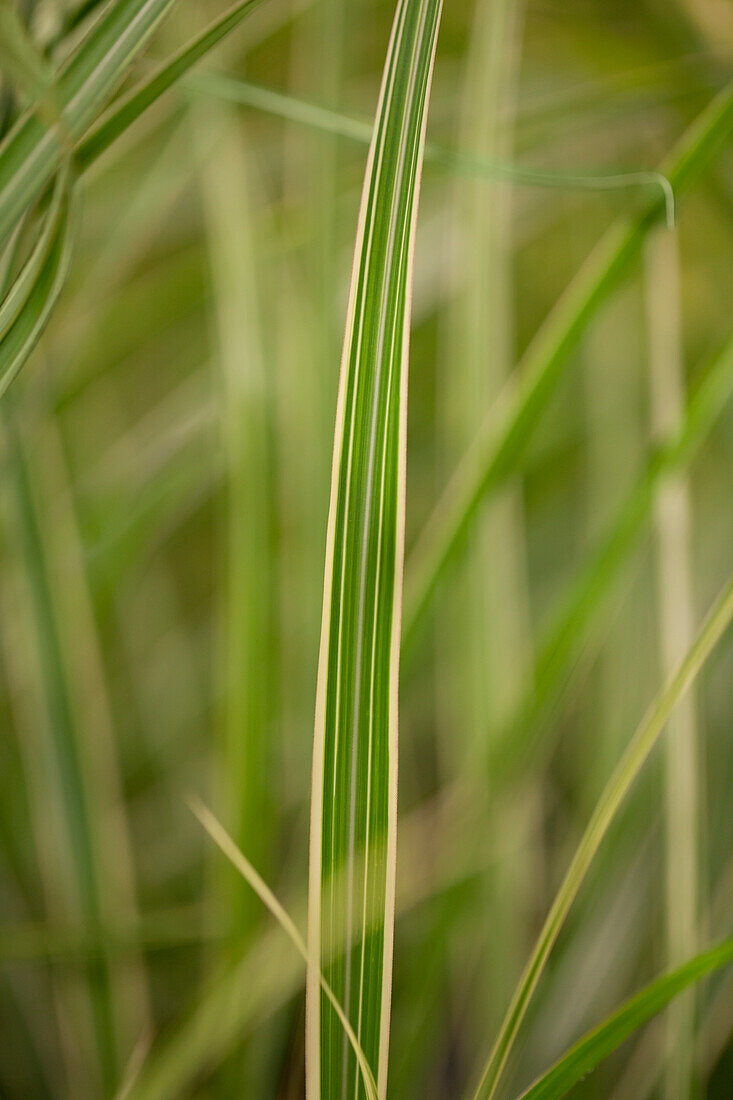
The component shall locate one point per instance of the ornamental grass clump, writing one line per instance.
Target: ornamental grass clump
(477, 607)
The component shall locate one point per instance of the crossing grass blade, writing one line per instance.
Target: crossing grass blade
(30, 301)
(122, 114)
(562, 643)
(220, 837)
(222, 1017)
(31, 152)
(508, 426)
(25, 64)
(232, 89)
(628, 768)
(354, 787)
(589, 1051)
(22, 286)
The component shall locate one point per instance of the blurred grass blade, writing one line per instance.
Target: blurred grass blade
(482, 637)
(22, 286)
(246, 777)
(122, 114)
(562, 642)
(25, 64)
(221, 838)
(202, 1039)
(31, 152)
(40, 297)
(615, 791)
(508, 426)
(354, 793)
(66, 751)
(674, 524)
(589, 1051)
(232, 89)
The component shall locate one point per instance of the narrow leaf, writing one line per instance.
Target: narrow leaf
(40, 296)
(31, 152)
(354, 795)
(508, 426)
(562, 642)
(67, 754)
(233, 89)
(613, 795)
(129, 108)
(22, 286)
(589, 1051)
(221, 838)
(26, 65)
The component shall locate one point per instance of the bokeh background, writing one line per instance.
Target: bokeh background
(163, 498)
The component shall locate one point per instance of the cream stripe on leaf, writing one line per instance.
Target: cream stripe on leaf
(354, 797)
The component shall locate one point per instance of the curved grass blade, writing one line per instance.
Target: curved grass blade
(221, 838)
(31, 152)
(614, 793)
(19, 292)
(508, 427)
(245, 93)
(354, 792)
(18, 343)
(562, 643)
(222, 1018)
(589, 1051)
(246, 770)
(122, 114)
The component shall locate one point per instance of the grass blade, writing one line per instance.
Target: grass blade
(220, 837)
(67, 756)
(675, 616)
(222, 1017)
(20, 291)
(589, 1051)
(31, 152)
(25, 64)
(562, 643)
(245, 93)
(246, 774)
(508, 427)
(122, 114)
(41, 294)
(354, 793)
(614, 793)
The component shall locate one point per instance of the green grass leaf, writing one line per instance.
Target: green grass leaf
(589, 1051)
(31, 152)
(613, 795)
(26, 65)
(23, 284)
(354, 794)
(561, 645)
(508, 426)
(246, 776)
(220, 837)
(30, 301)
(325, 120)
(67, 755)
(129, 108)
